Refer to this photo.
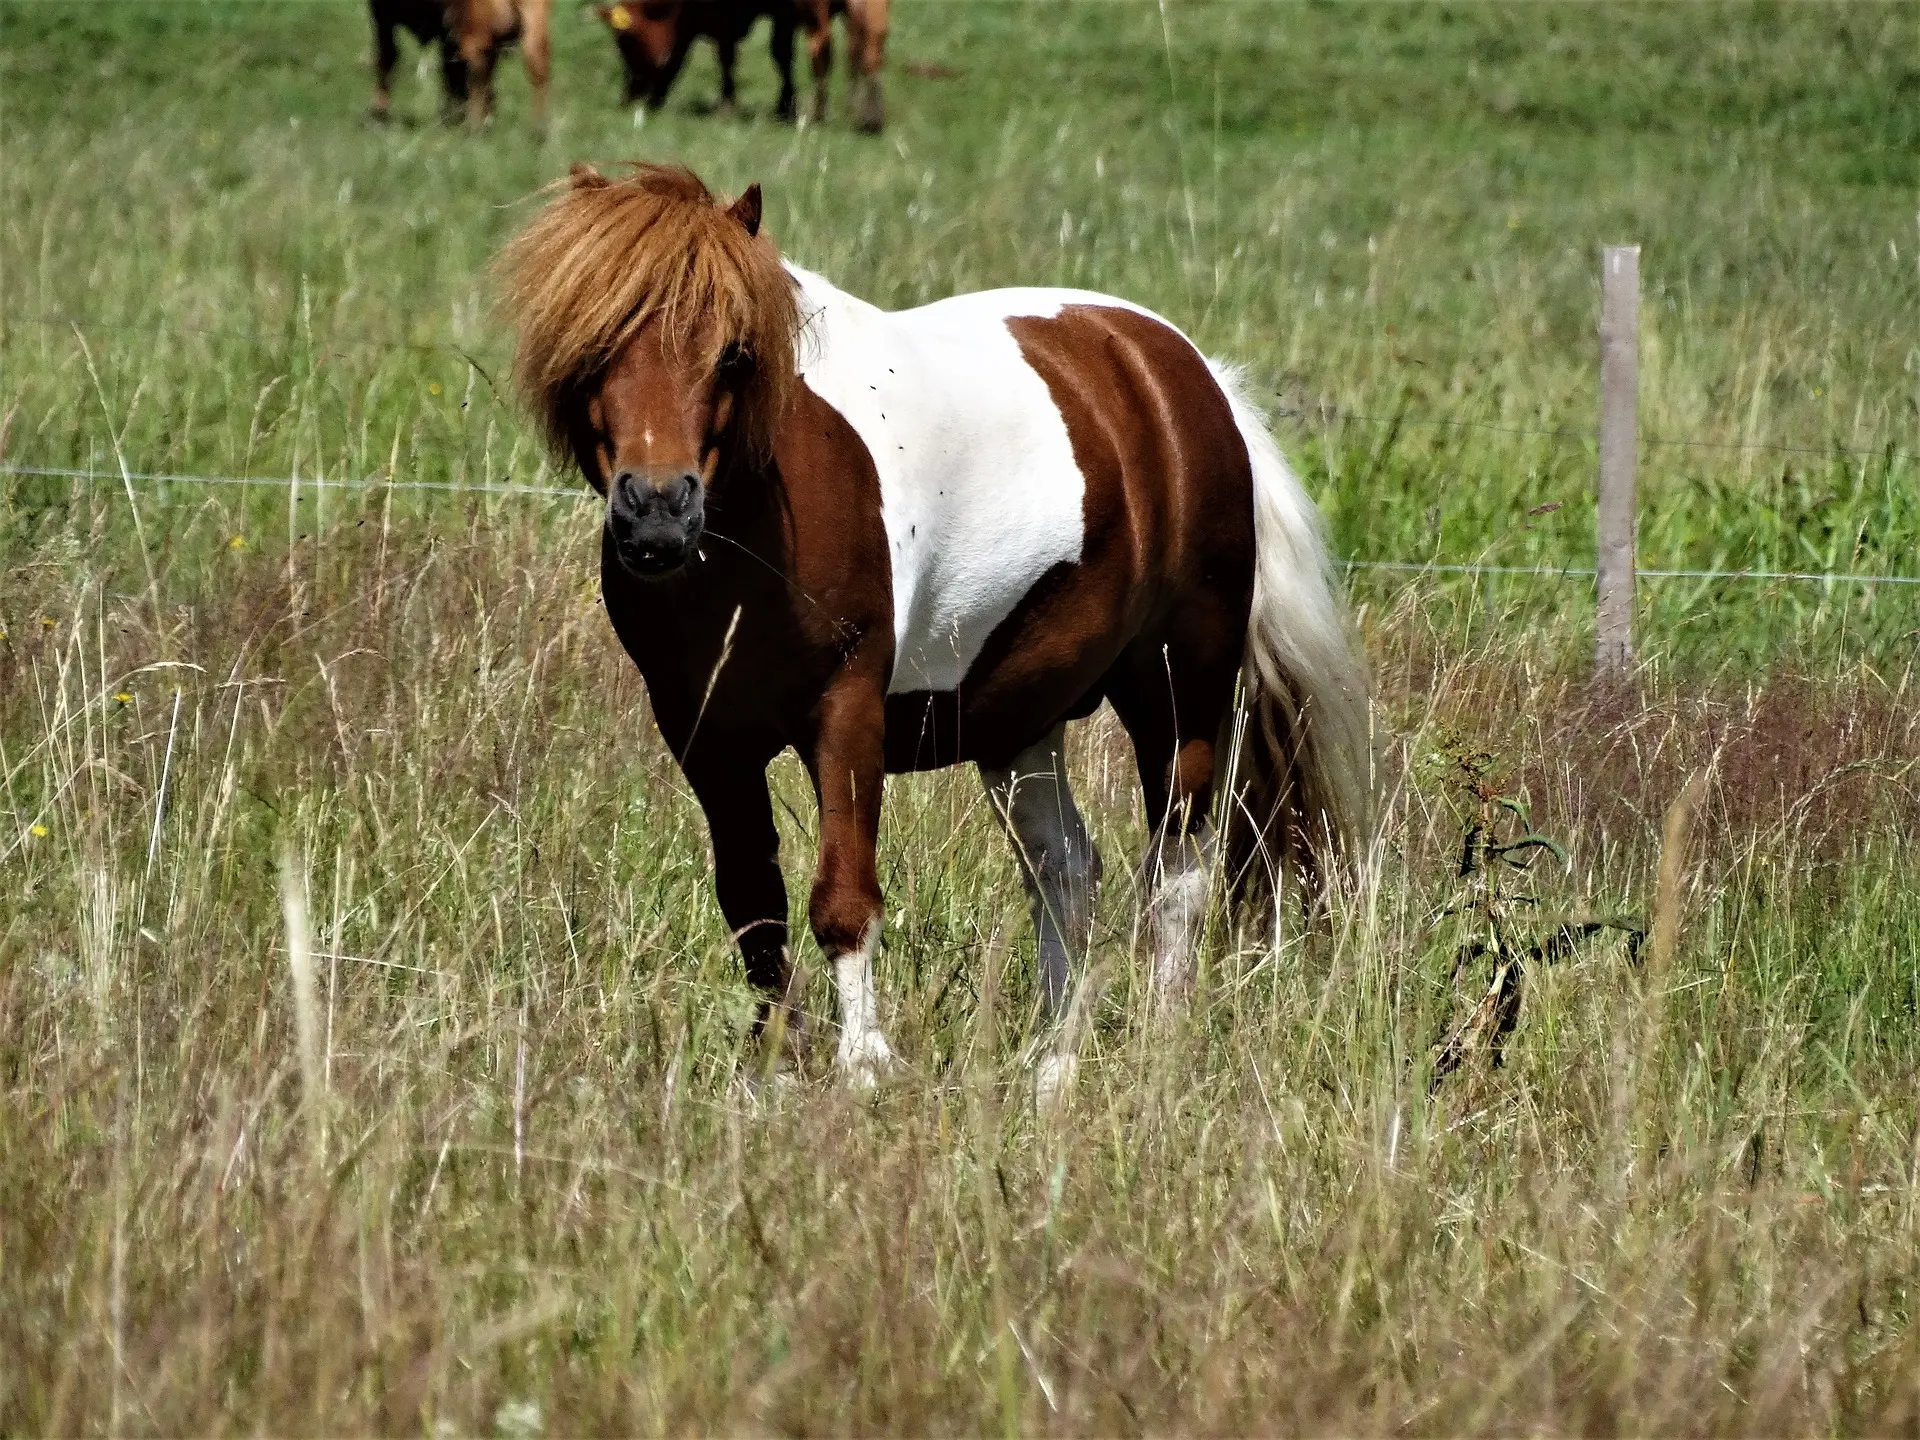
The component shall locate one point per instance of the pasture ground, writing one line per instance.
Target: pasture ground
(491, 1168)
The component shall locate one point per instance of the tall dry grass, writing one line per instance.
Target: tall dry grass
(484, 1158)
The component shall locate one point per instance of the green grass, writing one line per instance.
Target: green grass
(516, 1182)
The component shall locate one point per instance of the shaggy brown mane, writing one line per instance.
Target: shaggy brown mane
(607, 258)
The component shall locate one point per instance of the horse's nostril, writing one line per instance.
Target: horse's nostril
(680, 493)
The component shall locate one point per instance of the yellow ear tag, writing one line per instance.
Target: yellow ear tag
(619, 18)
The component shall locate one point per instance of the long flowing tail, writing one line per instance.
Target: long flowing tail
(1300, 747)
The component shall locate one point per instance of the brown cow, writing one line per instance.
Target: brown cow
(655, 36)
(471, 35)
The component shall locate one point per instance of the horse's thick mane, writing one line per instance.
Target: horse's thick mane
(608, 257)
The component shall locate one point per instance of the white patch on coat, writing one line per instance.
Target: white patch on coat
(1053, 1081)
(979, 490)
(863, 1054)
(1179, 875)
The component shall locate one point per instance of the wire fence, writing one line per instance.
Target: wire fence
(292, 482)
(1323, 416)
(374, 483)
(1334, 415)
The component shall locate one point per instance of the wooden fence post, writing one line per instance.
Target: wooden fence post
(1619, 448)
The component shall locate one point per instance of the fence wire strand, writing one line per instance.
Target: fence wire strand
(1431, 567)
(1320, 415)
(1591, 437)
(294, 482)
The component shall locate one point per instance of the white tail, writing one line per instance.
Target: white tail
(1301, 746)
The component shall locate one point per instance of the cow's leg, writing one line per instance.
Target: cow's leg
(727, 47)
(386, 54)
(665, 75)
(819, 23)
(753, 897)
(535, 49)
(453, 80)
(781, 48)
(867, 47)
(480, 53)
(848, 773)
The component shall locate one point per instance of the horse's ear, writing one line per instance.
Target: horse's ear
(747, 208)
(585, 177)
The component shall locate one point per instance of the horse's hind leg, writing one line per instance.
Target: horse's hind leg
(1172, 697)
(1061, 869)
(1058, 862)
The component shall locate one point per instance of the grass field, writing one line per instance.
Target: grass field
(490, 1167)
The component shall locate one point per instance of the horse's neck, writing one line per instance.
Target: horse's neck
(837, 330)
(824, 303)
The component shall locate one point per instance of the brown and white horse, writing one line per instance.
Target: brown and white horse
(471, 34)
(894, 541)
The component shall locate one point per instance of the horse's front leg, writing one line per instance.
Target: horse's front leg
(849, 772)
(753, 897)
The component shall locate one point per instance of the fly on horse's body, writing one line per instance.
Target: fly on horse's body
(471, 35)
(895, 541)
(655, 36)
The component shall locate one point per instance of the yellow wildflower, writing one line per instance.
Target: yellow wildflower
(39, 832)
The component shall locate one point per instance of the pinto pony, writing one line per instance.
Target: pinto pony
(896, 541)
(654, 38)
(471, 34)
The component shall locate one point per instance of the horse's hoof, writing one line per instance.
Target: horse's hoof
(1053, 1081)
(769, 1089)
(864, 1059)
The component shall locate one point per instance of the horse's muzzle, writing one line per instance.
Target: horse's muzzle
(655, 522)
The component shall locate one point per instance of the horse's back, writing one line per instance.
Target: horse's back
(1037, 451)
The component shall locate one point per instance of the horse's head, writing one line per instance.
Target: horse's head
(656, 342)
